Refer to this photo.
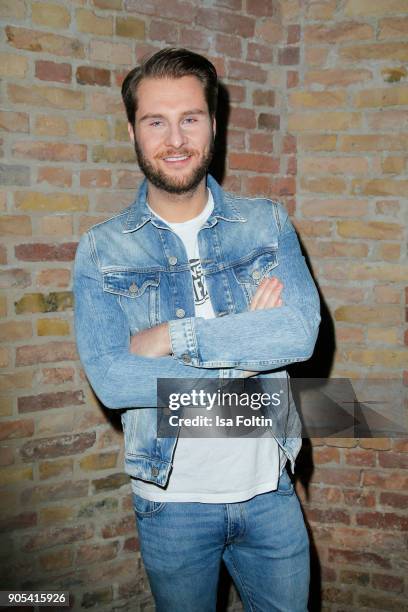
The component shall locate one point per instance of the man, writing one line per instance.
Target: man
(182, 285)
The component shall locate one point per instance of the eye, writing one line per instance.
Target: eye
(155, 123)
(190, 120)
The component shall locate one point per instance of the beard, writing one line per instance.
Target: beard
(171, 184)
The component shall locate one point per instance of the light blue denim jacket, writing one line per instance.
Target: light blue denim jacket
(132, 272)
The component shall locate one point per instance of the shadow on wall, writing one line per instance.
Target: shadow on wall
(318, 366)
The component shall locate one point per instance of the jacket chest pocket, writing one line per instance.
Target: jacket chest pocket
(250, 270)
(138, 295)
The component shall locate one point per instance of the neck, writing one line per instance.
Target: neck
(177, 208)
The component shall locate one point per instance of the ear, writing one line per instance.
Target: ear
(131, 132)
(214, 124)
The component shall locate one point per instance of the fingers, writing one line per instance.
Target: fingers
(267, 295)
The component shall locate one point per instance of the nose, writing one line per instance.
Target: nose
(175, 136)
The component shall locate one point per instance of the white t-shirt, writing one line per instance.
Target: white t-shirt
(219, 469)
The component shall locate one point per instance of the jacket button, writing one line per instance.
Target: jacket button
(256, 275)
(180, 313)
(155, 471)
(133, 288)
(186, 358)
(172, 260)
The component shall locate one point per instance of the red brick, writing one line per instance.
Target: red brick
(326, 455)
(46, 401)
(126, 179)
(194, 39)
(289, 144)
(260, 9)
(353, 557)
(59, 177)
(389, 459)
(57, 535)
(14, 122)
(337, 476)
(256, 163)
(228, 45)
(51, 71)
(335, 595)
(119, 527)
(235, 5)
(46, 252)
(382, 520)
(328, 516)
(90, 553)
(261, 97)
(163, 30)
(14, 277)
(289, 56)
(291, 165)
(56, 277)
(242, 118)
(293, 34)
(354, 577)
(44, 353)
(268, 122)
(257, 186)
(385, 480)
(173, 10)
(245, 71)
(23, 428)
(226, 22)
(6, 456)
(259, 53)
(57, 491)
(20, 521)
(58, 446)
(292, 79)
(236, 139)
(261, 142)
(357, 457)
(88, 75)
(236, 93)
(358, 497)
(49, 151)
(44, 42)
(56, 560)
(283, 186)
(395, 500)
(96, 178)
(131, 544)
(388, 583)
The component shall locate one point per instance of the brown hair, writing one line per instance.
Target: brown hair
(171, 63)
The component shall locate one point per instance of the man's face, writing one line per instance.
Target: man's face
(174, 134)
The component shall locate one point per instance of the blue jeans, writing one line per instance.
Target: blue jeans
(263, 542)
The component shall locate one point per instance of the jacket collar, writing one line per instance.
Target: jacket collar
(139, 213)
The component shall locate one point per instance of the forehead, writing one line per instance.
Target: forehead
(167, 94)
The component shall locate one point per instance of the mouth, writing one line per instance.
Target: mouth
(177, 160)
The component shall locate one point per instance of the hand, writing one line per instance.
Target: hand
(151, 342)
(267, 295)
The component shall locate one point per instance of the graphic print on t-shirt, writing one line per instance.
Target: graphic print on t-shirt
(200, 290)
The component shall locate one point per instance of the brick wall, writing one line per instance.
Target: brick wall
(319, 119)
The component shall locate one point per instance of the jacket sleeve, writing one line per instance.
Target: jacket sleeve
(119, 378)
(261, 339)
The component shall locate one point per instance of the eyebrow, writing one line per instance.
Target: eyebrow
(194, 111)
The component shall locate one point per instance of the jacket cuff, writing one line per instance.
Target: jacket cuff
(183, 341)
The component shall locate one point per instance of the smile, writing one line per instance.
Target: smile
(178, 158)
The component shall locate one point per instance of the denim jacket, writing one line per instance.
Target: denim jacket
(132, 272)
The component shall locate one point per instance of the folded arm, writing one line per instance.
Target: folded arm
(263, 339)
(119, 378)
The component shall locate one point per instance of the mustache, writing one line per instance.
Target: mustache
(177, 153)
